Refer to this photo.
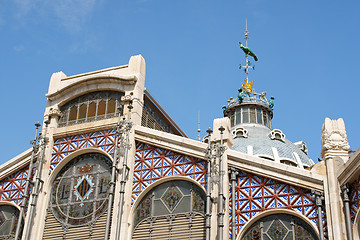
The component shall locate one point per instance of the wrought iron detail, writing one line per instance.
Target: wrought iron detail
(354, 198)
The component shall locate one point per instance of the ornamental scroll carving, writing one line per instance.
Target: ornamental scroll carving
(334, 136)
(54, 112)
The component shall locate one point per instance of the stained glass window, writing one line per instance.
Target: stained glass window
(171, 210)
(8, 220)
(173, 197)
(280, 227)
(80, 191)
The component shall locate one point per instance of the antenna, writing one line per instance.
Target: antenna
(246, 33)
(247, 66)
(199, 126)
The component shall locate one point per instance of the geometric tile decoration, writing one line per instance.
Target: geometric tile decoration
(255, 194)
(12, 187)
(64, 146)
(354, 198)
(153, 163)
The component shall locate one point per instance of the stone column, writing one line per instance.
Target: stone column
(335, 153)
(223, 226)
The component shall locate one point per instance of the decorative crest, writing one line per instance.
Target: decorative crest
(86, 168)
(248, 87)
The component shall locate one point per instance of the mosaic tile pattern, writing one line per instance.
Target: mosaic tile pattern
(354, 198)
(153, 163)
(255, 194)
(12, 187)
(104, 140)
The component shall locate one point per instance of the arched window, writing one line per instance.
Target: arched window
(288, 162)
(280, 226)
(240, 132)
(277, 134)
(91, 107)
(172, 210)
(8, 221)
(80, 191)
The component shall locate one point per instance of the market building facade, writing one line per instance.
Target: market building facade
(109, 163)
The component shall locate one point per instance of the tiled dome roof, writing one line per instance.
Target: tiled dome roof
(270, 144)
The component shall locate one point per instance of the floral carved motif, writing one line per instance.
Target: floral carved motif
(334, 136)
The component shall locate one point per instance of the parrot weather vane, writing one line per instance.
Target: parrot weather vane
(247, 93)
(247, 87)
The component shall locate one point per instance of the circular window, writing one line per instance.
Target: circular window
(80, 191)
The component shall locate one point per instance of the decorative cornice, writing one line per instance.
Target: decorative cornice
(122, 79)
(278, 171)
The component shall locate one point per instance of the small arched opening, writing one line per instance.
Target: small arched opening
(9, 216)
(279, 226)
(172, 210)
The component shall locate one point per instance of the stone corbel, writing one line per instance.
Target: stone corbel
(55, 111)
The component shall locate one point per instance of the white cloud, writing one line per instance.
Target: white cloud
(72, 14)
(87, 42)
(19, 48)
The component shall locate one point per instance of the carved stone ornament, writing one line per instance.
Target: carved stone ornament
(54, 112)
(127, 98)
(334, 136)
(277, 134)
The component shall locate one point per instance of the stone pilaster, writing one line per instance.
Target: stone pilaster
(334, 152)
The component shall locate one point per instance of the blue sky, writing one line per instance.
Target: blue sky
(308, 58)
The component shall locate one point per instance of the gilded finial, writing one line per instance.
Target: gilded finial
(248, 87)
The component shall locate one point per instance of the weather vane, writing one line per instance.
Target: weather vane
(247, 86)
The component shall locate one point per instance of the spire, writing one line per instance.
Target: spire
(247, 86)
(199, 131)
(249, 106)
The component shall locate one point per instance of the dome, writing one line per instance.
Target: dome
(250, 115)
(250, 118)
(270, 144)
